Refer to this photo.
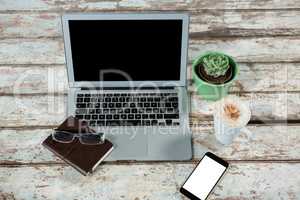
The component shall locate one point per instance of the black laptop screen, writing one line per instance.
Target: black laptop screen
(118, 50)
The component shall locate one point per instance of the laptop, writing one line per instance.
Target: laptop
(127, 79)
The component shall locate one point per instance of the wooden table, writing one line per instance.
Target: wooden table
(263, 36)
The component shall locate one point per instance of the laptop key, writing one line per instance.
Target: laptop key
(79, 100)
(132, 105)
(134, 110)
(101, 116)
(154, 122)
(112, 123)
(87, 117)
(161, 123)
(120, 110)
(113, 111)
(123, 116)
(132, 122)
(116, 116)
(92, 111)
(81, 105)
(87, 100)
(138, 116)
(92, 123)
(94, 116)
(111, 105)
(127, 110)
(146, 123)
(171, 116)
(169, 122)
(168, 104)
(144, 116)
(175, 105)
(80, 95)
(97, 105)
(159, 116)
(130, 116)
(79, 116)
(80, 111)
(101, 123)
(108, 116)
(152, 116)
(118, 105)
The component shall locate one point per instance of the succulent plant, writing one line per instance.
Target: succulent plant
(216, 64)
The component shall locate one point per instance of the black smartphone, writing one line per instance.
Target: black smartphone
(204, 178)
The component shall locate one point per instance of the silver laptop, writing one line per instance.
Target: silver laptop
(127, 79)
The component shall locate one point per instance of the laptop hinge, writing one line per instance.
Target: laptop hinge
(127, 88)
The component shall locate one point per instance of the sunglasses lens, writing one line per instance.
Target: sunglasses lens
(63, 136)
(97, 138)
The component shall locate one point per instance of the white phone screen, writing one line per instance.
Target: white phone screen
(204, 177)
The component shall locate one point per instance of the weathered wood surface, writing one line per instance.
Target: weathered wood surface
(207, 23)
(49, 110)
(263, 35)
(81, 5)
(253, 77)
(50, 51)
(142, 181)
(19, 146)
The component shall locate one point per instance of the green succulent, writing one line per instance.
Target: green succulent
(216, 64)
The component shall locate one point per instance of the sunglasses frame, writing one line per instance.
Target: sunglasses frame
(79, 136)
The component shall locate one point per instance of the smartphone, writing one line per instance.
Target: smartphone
(204, 178)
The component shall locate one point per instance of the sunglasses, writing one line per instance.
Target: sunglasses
(84, 138)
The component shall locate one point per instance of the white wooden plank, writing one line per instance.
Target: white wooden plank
(263, 77)
(44, 110)
(269, 181)
(32, 110)
(270, 106)
(250, 49)
(202, 24)
(282, 142)
(206, 4)
(253, 77)
(76, 5)
(30, 25)
(33, 79)
(29, 51)
(50, 51)
(38, 5)
(140, 182)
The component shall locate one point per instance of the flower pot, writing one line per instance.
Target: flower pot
(211, 91)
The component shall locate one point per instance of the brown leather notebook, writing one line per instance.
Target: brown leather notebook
(84, 158)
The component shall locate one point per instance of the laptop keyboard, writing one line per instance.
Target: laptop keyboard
(128, 109)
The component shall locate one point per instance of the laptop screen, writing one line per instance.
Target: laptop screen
(123, 50)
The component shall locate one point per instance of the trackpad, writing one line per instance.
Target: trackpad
(128, 145)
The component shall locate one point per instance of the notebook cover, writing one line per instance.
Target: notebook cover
(84, 158)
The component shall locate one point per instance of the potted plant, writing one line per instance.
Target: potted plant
(213, 73)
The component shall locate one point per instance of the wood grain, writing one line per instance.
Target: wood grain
(208, 23)
(250, 49)
(81, 5)
(253, 77)
(269, 49)
(32, 79)
(23, 146)
(31, 51)
(44, 110)
(141, 182)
